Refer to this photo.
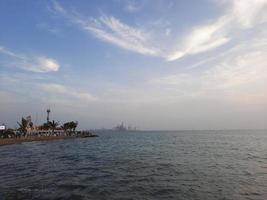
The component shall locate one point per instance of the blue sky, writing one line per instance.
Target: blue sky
(161, 64)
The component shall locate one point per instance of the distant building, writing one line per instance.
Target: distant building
(2, 127)
(121, 127)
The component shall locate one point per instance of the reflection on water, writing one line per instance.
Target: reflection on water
(139, 165)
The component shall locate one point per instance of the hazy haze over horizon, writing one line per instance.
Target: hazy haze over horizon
(155, 64)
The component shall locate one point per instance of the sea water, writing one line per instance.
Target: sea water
(149, 165)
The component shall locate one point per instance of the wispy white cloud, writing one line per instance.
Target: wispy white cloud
(239, 74)
(202, 38)
(48, 28)
(247, 13)
(5, 51)
(132, 6)
(168, 31)
(112, 30)
(68, 92)
(242, 15)
(43, 89)
(239, 16)
(41, 64)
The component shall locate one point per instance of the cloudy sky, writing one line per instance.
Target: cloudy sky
(154, 64)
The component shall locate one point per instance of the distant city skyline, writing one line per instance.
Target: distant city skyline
(155, 64)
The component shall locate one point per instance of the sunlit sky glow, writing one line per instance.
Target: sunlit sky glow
(154, 64)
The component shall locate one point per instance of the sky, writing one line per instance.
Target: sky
(153, 64)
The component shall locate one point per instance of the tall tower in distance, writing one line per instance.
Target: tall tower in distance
(48, 111)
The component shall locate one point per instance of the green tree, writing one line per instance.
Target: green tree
(23, 126)
(8, 133)
(53, 125)
(66, 127)
(70, 126)
(31, 125)
(74, 125)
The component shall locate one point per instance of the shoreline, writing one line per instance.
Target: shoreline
(10, 141)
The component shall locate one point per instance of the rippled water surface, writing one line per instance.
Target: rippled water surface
(139, 165)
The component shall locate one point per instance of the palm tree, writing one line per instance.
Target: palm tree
(66, 127)
(23, 126)
(31, 125)
(74, 125)
(70, 126)
(53, 125)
